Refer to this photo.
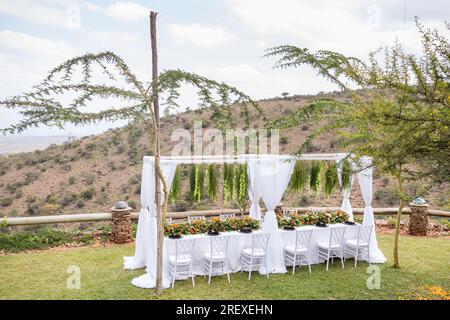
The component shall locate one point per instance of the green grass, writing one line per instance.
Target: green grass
(42, 275)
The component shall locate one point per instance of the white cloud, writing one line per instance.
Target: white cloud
(17, 42)
(203, 36)
(127, 11)
(351, 27)
(33, 12)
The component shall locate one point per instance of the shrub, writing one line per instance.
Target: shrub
(51, 199)
(30, 177)
(68, 199)
(103, 198)
(284, 140)
(88, 178)
(41, 239)
(72, 180)
(6, 202)
(132, 204)
(88, 194)
(80, 204)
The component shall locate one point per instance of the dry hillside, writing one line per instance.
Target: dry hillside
(90, 174)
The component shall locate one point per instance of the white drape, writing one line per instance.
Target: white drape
(346, 206)
(253, 195)
(272, 176)
(145, 248)
(365, 182)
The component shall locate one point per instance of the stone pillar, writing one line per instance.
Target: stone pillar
(121, 223)
(418, 220)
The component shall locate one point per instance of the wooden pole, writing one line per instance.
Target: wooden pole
(160, 239)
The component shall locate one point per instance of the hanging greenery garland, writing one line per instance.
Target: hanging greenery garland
(175, 189)
(199, 182)
(192, 181)
(242, 185)
(314, 177)
(228, 173)
(330, 178)
(300, 176)
(346, 174)
(213, 181)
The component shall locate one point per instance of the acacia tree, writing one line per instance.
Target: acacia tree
(81, 80)
(396, 108)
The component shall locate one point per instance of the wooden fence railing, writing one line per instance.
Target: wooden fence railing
(91, 217)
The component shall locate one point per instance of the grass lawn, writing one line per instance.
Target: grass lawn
(42, 275)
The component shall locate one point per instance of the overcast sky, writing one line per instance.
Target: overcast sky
(222, 39)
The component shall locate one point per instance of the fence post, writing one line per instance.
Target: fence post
(121, 223)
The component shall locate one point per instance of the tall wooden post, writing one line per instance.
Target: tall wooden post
(160, 239)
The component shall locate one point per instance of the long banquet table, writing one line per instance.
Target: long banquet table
(239, 241)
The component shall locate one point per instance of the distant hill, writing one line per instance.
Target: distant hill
(91, 173)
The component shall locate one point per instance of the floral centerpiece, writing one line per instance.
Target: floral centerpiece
(309, 218)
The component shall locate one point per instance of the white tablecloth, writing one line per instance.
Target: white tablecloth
(237, 242)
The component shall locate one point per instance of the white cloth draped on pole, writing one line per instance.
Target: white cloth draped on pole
(346, 206)
(253, 195)
(365, 182)
(145, 250)
(271, 176)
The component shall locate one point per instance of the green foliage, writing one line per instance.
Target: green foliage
(228, 185)
(176, 187)
(300, 176)
(295, 219)
(314, 176)
(42, 239)
(330, 178)
(212, 176)
(87, 194)
(346, 174)
(401, 115)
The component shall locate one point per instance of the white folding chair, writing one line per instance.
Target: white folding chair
(299, 253)
(169, 220)
(255, 256)
(359, 247)
(195, 218)
(288, 212)
(227, 216)
(317, 210)
(215, 260)
(334, 247)
(181, 262)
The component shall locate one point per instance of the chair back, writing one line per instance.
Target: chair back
(184, 248)
(227, 216)
(219, 245)
(260, 242)
(169, 220)
(303, 238)
(337, 235)
(364, 233)
(317, 210)
(195, 218)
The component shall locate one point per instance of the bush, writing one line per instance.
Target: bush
(72, 180)
(88, 194)
(30, 177)
(284, 140)
(51, 199)
(41, 239)
(6, 202)
(80, 204)
(132, 204)
(88, 178)
(68, 199)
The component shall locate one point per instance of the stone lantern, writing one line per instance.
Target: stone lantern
(418, 220)
(121, 223)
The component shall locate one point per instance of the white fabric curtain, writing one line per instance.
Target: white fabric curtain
(145, 248)
(365, 182)
(346, 205)
(272, 176)
(253, 195)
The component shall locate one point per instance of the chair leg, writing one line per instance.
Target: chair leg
(293, 264)
(210, 271)
(250, 268)
(174, 276)
(328, 260)
(265, 266)
(342, 259)
(228, 272)
(192, 274)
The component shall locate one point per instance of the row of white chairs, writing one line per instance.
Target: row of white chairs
(191, 219)
(253, 257)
